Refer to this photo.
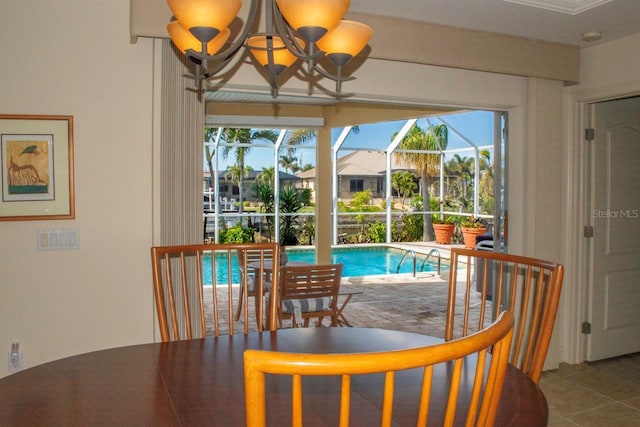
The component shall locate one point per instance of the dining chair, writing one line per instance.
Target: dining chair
(477, 408)
(248, 273)
(309, 291)
(195, 287)
(484, 283)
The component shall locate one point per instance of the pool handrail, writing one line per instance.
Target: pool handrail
(413, 255)
(432, 251)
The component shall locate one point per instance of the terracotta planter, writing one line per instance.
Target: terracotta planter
(443, 232)
(469, 235)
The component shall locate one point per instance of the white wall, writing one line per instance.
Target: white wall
(610, 69)
(74, 58)
(607, 71)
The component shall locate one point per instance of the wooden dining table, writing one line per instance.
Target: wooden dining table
(200, 382)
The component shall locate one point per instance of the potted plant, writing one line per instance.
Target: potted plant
(443, 228)
(471, 228)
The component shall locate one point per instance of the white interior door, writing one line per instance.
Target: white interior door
(614, 311)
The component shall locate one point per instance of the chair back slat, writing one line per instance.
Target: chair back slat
(310, 282)
(345, 400)
(493, 282)
(188, 306)
(458, 358)
(314, 281)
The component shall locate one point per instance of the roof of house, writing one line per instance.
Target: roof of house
(360, 163)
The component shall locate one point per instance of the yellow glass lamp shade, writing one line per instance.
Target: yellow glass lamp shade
(212, 15)
(345, 41)
(313, 18)
(281, 55)
(184, 40)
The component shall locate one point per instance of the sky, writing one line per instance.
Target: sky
(474, 126)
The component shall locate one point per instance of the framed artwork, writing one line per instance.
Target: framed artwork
(37, 167)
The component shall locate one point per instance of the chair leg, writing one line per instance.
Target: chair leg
(239, 308)
(258, 306)
(334, 321)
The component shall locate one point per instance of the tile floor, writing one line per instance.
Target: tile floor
(598, 394)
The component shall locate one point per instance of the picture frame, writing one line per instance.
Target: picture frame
(36, 173)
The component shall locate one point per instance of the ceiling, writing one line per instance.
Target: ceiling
(560, 21)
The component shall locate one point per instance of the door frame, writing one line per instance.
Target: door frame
(579, 104)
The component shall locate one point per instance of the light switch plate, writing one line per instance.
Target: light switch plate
(58, 239)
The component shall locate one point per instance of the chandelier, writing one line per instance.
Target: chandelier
(305, 30)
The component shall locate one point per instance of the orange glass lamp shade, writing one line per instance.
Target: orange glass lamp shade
(205, 18)
(345, 41)
(313, 18)
(282, 57)
(184, 40)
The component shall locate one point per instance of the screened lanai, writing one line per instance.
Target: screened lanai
(258, 177)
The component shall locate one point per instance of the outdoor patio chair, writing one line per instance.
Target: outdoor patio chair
(246, 260)
(309, 291)
(349, 369)
(185, 303)
(528, 287)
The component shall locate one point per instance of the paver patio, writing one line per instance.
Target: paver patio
(399, 302)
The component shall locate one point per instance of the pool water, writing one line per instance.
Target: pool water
(364, 261)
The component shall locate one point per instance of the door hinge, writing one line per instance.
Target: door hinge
(589, 134)
(586, 328)
(588, 231)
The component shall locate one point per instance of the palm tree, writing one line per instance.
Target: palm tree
(485, 186)
(243, 137)
(209, 136)
(461, 190)
(296, 137)
(302, 136)
(264, 193)
(268, 175)
(289, 163)
(299, 137)
(434, 138)
(404, 183)
(290, 203)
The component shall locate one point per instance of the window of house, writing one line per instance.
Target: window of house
(459, 181)
(259, 187)
(356, 184)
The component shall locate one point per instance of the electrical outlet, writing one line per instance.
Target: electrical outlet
(15, 358)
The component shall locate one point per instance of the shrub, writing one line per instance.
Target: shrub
(412, 226)
(305, 196)
(290, 203)
(361, 198)
(236, 234)
(378, 232)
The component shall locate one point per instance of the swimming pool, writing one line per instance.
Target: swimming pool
(366, 260)
(358, 261)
